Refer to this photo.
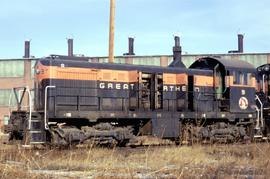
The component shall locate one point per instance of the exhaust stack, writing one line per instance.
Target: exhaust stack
(70, 47)
(177, 54)
(130, 46)
(26, 49)
(240, 44)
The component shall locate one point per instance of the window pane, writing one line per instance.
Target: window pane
(14, 68)
(234, 78)
(241, 78)
(4, 97)
(33, 63)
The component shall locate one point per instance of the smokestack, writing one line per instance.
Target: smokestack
(240, 43)
(27, 49)
(130, 46)
(70, 47)
(177, 54)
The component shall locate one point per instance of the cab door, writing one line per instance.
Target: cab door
(190, 93)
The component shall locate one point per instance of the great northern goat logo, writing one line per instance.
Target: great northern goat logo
(243, 103)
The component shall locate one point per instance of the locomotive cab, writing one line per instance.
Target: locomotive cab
(233, 85)
(221, 102)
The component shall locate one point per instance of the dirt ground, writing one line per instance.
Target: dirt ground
(197, 161)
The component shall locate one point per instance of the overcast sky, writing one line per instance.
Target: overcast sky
(205, 26)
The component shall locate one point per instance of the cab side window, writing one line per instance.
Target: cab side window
(241, 78)
(234, 77)
(249, 78)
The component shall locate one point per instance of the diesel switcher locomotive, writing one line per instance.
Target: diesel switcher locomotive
(77, 101)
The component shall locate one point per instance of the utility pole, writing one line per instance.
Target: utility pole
(111, 33)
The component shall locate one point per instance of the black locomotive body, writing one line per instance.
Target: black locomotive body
(76, 101)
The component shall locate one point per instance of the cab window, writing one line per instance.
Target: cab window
(241, 78)
(249, 78)
(234, 77)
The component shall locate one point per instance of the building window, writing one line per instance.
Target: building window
(33, 63)
(5, 95)
(14, 68)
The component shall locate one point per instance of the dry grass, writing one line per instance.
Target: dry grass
(221, 161)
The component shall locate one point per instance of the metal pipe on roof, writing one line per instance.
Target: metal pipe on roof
(26, 49)
(131, 46)
(70, 47)
(240, 43)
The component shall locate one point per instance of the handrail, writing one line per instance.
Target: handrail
(262, 123)
(26, 88)
(45, 106)
(9, 104)
(30, 107)
(258, 118)
(263, 85)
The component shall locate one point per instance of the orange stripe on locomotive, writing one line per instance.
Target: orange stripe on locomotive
(206, 81)
(72, 73)
(174, 79)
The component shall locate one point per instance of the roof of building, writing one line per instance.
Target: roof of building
(149, 56)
